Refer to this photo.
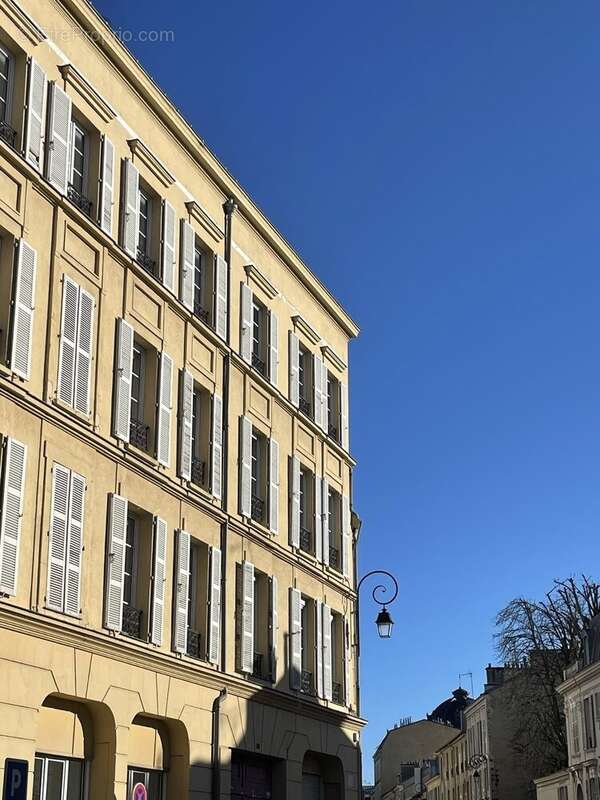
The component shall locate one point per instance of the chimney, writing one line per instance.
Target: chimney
(494, 677)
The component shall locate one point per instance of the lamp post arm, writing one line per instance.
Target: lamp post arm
(380, 586)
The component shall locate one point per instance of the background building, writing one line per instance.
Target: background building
(177, 569)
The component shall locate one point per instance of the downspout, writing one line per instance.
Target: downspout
(216, 744)
(357, 635)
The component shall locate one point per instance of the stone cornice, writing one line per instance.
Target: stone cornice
(303, 326)
(589, 673)
(75, 79)
(30, 29)
(147, 157)
(254, 274)
(201, 216)
(333, 358)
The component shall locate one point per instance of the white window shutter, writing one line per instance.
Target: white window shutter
(159, 578)
(245, 467)
(68, 341)
(319, 646)
(115, 568)
(221, 320)
(295, 501)
(59, 130)
(214, 630)
(273, 627)
(318, 526)
(182, 577)
(247, 626)
(318, 390)
(24, 304)
(14, 464)
(346, 553)
(57, 545)
(324, 413)
(107, 187)
(295, 639)
(294, 377)
(273, 347)
(186, 281)
(75, 545)
(273, 486)
(122, 390)
(217, 446)
(347, 663)
(83, 364)
(36, 115)
(325, 522)
(185, 424)
(246, 324)
(168, 246)
(163, 427)
(327, 665)
(344, 416)
(130, 208)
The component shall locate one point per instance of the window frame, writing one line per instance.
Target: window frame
(10, 84)
(141, 379)
(135, 549)
(76, 126)
(66, 761)
(144, 194)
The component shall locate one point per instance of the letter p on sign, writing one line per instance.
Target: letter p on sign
(15, 779)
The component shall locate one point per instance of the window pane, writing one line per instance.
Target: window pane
(37, 778)
(75, 782)
(154, 786)
(54, 780)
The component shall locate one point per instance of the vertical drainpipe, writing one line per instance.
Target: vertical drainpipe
(357, 636)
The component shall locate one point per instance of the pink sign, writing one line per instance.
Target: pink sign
(139, 792)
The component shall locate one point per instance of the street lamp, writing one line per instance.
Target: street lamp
(384, 621)
(384, 624)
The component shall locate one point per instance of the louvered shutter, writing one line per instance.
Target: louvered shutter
(318, 526)
(185, 424)
(273, 486)
(246, 324)
(325, 521)
(75, 545)
(245, 467)
(273, 627)
(294, 377)
(130, 208)
(168, 246)
(347, 662)
(11, 510)
(346, 553)
(159, 577)
(180, 615)
(214, 632)
(295, 501)
(217, 446)
(318, 390)
(221, 319)
(59, 129)
(295, 639)
(324, 410)
(344, 416)
(163, 426)
(68, 341)
(273, 347)
(115, 568)
(122, 390)
(107, 188)
(57, 545)
(36, 115)
(247, 627)
(83, 364)
(327, 665)
(22, 315)
(186, 284)
(319, 646)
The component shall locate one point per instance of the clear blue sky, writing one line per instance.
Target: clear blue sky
(438, 165)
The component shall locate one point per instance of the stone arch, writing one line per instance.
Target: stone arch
(322, 777)
(161, 743)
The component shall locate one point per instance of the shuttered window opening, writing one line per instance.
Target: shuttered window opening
(12, 477)
(186, 271)
(256, 622)
(164, 407)
(190, 596)
(75, 349)
(168, 236)
(130, 209)
(22, 314)
(332, 527)
(214, 611)
(304, 639)
(122, 380)
(107, 187)
(305, 522)
(65, 544)
(58, 133)
(36, 114)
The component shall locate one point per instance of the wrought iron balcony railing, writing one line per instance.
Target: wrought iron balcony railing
(8, 134)
(259, 364)
(193, 644)
(201, 312)
(132, 621)
(146, 262)
(333, 432)
(79, 200)
(138, 434)
(258, 508)
(305, 406)
(305, 540)
(198, 471)
(257, 667)
(334, 558)
(337, 694)
(306, 682)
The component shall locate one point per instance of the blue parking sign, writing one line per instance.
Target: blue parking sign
(15, 779)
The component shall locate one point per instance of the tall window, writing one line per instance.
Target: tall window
(259, 473)
(333, 407)
(307, 484)
(144, 224)
(335, 529)
(6, 80)
(200, 299)
(132, 616)
(77, 189)
(307, 620)
(138, 430)
(259, 337)
(304, 381)
(57, 778)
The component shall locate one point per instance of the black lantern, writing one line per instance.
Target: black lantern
(384, 624)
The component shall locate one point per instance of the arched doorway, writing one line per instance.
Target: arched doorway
(158, 758)
(322, 777)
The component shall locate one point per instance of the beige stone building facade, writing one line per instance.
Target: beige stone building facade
(177, 558)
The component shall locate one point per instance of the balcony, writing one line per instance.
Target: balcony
(306, 682)
(305, 540)
(198, 471)
(259, 365)
(334, 558)
(146, 262)
(193, 644)
(79, 200)
(305, 406)
(132, 622)
(337, 694)
(201, 312)
(257, 666)
(8, 134)
(138, 434)
(257, 509)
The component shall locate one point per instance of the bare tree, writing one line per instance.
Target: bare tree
(542, 638)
